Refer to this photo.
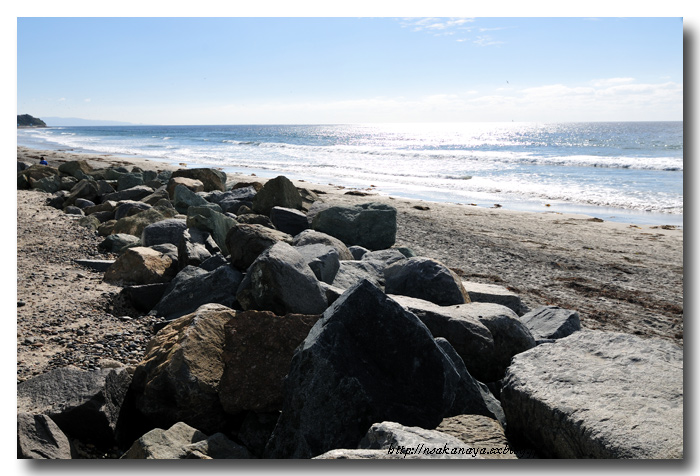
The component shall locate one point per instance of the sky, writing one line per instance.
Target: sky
(350, 69)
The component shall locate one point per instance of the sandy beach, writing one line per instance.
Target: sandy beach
(619, 277)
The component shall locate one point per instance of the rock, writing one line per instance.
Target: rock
(190, 252)
(426, 279)
(211, 221)
(86, 189)
(134, 193)
(352, 272)
(72, 210)
(84, 405)
(108, 206)
(82, 203)
(54, 183)
(289, 220)
(598, 395)
(184, 198)
(57, 199)
(158, 195)
(256, 429)
(280, 281)
(211, 178)
(246, 242)
(364, 454)
(106, 228)
(388, 257)
(129, 208)
(129, 180)
(193, 185)
(104, 187)
(311, 237)
(38, 437)
(141, 265)
(551, 322)
(245, 194)
(370, 225)
(134, 225)
(254, 219)
(486, 336)
(495, 294)
(214, 262)
(357, 251)
(181, 441)
(482, 433)
(144, 297)
(332, 292)
(90, 222)
(277, 192)
(178, 379)
(392, 437)
(322, 259)
(118, 242)
(164, 231)
(258, 349)
(37, 172)
(79, 169)
(366, 360)
(188, 291)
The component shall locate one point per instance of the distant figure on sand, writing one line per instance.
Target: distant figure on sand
(43, 162)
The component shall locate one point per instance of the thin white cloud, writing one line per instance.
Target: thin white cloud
(611, 81)
(436, 24)
(487, 40)
(88, 100)
(61, 99)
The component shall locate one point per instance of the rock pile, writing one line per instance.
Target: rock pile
(289, 334)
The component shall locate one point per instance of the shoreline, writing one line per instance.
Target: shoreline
(619, 277)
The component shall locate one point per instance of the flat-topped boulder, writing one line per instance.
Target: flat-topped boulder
(141, 265)
(370, 225)
(212, 179)
(495, 294)
(191, 184)
(551, 322)
(598, 394)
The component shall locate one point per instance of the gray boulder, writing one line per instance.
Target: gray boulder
(129, 180)
(277, 192)
(322, 259)
(192, 287)
(133, 193)
(486, 336)
(370, 225)
(212, 179)
(134, 225)
(195, 247)
(211, 221)
(388, 257)
(38, 437)
(85, 405)
(280, 281)
(73, 210)
(426, 279)
(289, 220)
(79, 169)
(352, 272)
(551, 322)
(86, 188)
(164, 231)
(495, 294)
(184, 198)
(118, 242)
(357, 251)
(255, 219)
(365, 360)
(245, 242)
(129, 208)
(311, 237)
(598, 395)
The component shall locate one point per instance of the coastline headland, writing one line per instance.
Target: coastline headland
(197, 305)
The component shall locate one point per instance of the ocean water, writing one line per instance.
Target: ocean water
(623, 171)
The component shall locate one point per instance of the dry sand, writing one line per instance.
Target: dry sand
(619, 277)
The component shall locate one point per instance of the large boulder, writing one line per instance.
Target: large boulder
(182, 441)
(551, 322)
(134, 225)
(289, 220)
(212, 179)
(233, 200)
(117, 243)
(195, 247)
(164, 231)
(366, 360)
(246, 242)
(311, 237)
(178, 379)
(184, 198)
(279, 280)
(277, 192)
(370, 225)
(427, 279)
(192, 184)
(134, 193)
(54, 183)
(85, 405)
(258, 351)
(322, 259)
(486, 336)
(86, 188)
(189, 290)
(129, 208)
(352, 272)
(141, 265)
(479, 292)
(598, 395)
(212, 221)
(38, 437)
(79, 169)
(130, 180)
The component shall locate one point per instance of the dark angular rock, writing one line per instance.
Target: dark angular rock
(427, 279)
(38, 437)
(214, 262)
(85, 405)
(164, 231)
(211, 221)
(129, 208)
(144, 297)
(289, 220)
(86, 189)
(246, 242)
(352, 272)
(277, 192)
(256, 429)
(366, 360)
(370, 225)
(184, 198)
(129, 180)
(134, 225)
(212, 179)
(322, 259)
(118, 242)
(188, 291)
(357, 251)
(79, 169)
(133, 193)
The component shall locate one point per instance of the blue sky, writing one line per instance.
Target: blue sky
(340, 70)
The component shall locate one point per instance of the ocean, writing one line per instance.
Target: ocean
(619, 171)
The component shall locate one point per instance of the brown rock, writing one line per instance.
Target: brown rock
(258, 350)
(141, 265)
(211, 178)
(480, 432)
(192, 184)
(178, 379)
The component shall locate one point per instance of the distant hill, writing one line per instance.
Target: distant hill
(25, 120)
(75, 121)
